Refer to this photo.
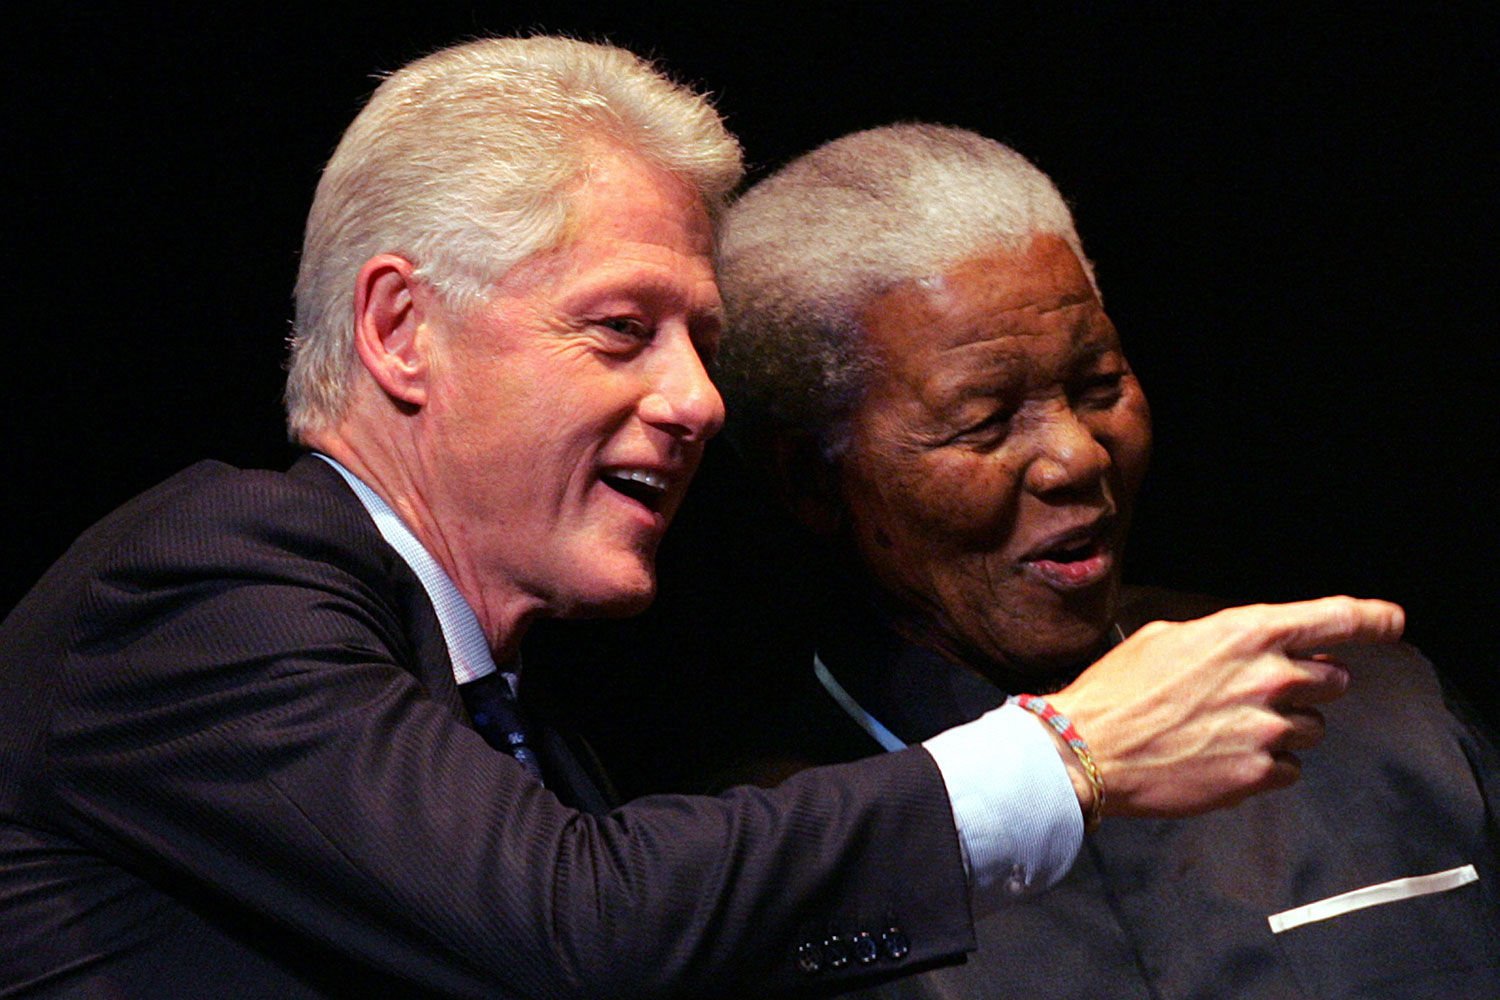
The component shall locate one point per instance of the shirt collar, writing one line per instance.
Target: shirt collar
(900, 692)
(467, 646)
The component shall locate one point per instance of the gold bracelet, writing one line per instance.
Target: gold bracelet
(1065, 728)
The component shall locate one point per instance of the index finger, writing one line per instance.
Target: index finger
(1304, 626)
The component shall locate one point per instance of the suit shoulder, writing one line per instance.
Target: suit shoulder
(205, 528)
(216, 514)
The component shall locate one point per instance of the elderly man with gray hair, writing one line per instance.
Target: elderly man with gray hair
(260, 734)
(919, 354)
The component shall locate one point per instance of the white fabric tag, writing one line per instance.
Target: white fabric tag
(1372, 895)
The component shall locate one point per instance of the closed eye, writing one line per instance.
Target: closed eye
(625, 332)
(1099, 391)
(986, 433)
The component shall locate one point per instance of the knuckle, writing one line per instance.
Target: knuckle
(1155, 628)
(1343, 613)
(1285, 769)
(1249, 622)
(1273, 730)
(1267, 678)
(1255, 770)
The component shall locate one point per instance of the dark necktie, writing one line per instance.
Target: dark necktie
(498, 719)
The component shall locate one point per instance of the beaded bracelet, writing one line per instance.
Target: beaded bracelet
(1064, 727)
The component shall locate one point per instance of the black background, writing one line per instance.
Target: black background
(1291, 216)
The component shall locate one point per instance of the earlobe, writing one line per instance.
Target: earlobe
(389, 311)
(807, 482)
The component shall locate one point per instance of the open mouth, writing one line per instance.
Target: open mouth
(1080, 559)
(1070, 554)
(646, 488)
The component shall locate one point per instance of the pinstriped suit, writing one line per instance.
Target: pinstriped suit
(233, 762)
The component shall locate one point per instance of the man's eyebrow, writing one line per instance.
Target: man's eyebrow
(1088, 348)
(1006, 368)
(1092, 336)
(648, 290)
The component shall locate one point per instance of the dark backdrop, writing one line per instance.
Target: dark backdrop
(1291, 217)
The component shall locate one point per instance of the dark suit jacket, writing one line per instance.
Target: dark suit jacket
(233, 762)
(1177, 909)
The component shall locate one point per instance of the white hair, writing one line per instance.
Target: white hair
(463, 162)
(804, 251)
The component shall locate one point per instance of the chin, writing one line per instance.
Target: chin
(1046, 651)
(618, 596)
(624, 607)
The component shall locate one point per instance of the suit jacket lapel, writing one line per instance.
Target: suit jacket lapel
(427, 658)
(569, 765)
(573, 772)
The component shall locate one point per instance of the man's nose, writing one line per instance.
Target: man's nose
(1068, 457)
(682, 399)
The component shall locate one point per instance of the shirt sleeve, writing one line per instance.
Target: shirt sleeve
(1019, 824)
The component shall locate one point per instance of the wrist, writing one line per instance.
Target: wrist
(1083, 772)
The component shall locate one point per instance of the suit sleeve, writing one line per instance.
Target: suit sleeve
(238, 718)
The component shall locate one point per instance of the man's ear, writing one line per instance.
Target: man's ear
(390, 308)
(807, 482)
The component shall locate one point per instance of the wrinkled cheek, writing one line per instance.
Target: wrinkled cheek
(970, 512)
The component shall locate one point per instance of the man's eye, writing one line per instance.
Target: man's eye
(627, 327)
(1101, 390)
(987, 432)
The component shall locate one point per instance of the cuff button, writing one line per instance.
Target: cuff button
(894, 943)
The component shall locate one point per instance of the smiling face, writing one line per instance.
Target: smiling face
(992, 463)
(567, 413)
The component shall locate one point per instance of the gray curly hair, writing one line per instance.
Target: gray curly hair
(462, 162)
(804, 251)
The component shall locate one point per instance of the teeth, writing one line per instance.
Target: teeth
(654, 480)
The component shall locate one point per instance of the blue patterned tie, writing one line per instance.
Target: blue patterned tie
(493, 708)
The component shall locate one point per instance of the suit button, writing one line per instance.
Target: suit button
(837, 952)
(865, 949)
(894, 943)
(810, 958)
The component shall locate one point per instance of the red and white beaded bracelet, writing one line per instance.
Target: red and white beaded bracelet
(1065, 728)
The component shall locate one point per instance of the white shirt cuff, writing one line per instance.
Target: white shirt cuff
(1019, 823)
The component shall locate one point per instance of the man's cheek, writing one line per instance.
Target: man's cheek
(967, 508)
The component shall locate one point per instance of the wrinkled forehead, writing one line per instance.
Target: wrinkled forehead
(991, 294)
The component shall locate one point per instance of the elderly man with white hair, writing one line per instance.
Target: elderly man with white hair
(919, 354)
(248, 744)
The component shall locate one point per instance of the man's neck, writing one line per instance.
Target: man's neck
(504, 613)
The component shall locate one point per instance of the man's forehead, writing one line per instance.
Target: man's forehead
(621, 192)
(1042, 275)
(990, 294)
(627, 234)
